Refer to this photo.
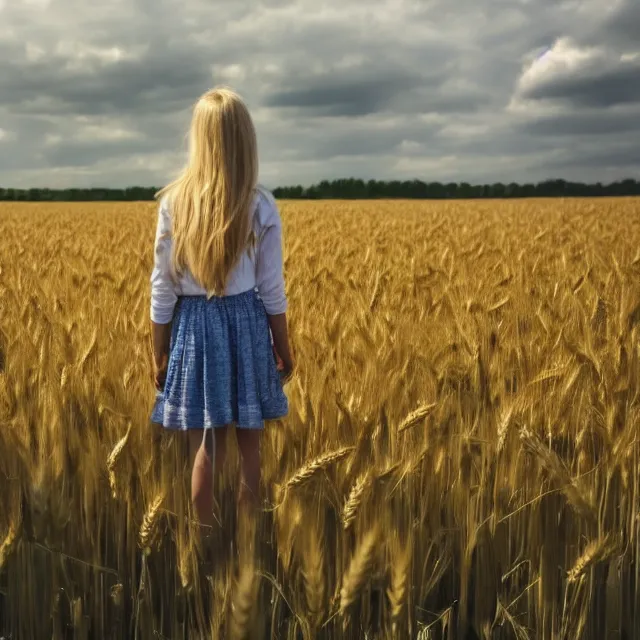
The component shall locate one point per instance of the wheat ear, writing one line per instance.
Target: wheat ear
(580, 502)
(149, 528)
(595, 552)
(113, 458)
(359, 569)
(397, 591)
(313, 574)
(354, 500)
(312, 467)
(9, 544)
(416, 417)
(243, 603)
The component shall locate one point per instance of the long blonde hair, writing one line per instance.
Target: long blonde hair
(210, 201)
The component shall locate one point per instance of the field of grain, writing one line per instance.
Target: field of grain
(460, 460)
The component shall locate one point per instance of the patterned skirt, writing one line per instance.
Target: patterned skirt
(222, 369)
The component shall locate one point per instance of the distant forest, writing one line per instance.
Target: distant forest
(355, 189)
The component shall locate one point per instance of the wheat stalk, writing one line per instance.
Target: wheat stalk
(185, 567)
(243, 603)
(8, 544)
(400, 580)
(550, 460)
(358, 571)
(313, 574)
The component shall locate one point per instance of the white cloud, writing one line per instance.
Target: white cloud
(34, 52)
(230, 73)
(569, 78)
(105, 133)
(77, 51)
(630, 57)
(462, 130)
(564, 59)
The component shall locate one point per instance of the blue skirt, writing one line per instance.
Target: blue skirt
(222, 369)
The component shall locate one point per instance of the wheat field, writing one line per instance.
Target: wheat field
(460, 459)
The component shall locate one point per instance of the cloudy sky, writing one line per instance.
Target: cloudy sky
(480, 90)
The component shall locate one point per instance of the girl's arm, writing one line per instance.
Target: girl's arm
(163, 296)
(280, 333)
(270, 281)
(161, 338)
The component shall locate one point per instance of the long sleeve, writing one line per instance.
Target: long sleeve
(270, 267)
(163, 293)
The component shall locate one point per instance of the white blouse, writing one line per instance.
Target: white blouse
(261, 270)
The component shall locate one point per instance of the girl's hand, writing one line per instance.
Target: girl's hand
(161, 340)
(159, 376)
(285, 369)
(286, 373)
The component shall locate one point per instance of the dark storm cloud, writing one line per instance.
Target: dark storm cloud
(350, 141)
(588, 87)
(621, 155)
(350, 97)
(593, 123)
(395, 92)
(101, 93)
(15, 156)
(79, 153)
(87, 155)
(156, 82)
(623, 25)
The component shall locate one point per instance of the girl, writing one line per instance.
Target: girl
(218, 303)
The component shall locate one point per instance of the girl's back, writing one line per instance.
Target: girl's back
(258, 268)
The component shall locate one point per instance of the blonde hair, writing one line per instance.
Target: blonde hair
(211, 199)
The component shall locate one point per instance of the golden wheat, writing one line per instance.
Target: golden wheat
(596, 551)
(316, 465)
(8, 544)
(149, 528)
(359, 570)
(355, 499)
(460, 459)
(243, 604)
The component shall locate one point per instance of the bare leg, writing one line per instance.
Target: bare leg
(249, 495)
(201, 460)
(249, 446)
(221, 447)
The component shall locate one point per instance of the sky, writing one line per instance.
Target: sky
(100, 94)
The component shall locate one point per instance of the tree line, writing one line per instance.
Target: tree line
(352, 188)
